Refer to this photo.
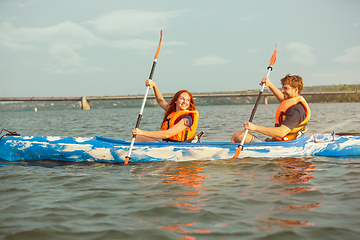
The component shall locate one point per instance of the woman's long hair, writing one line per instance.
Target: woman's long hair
(172, 104)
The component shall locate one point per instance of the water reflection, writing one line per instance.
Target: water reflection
(308, 207)
(294, 171)
(270, 222)
(191, 176)
(179, 228)
(183, 185)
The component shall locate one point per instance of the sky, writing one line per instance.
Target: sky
(73, 48)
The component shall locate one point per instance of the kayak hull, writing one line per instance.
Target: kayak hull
(102, 149)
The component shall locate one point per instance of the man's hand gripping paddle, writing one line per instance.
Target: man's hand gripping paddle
(144, 100)
(241, 145)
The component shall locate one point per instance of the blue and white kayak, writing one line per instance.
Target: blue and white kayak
(102, 149)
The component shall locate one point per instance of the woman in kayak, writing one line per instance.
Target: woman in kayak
(180, 119)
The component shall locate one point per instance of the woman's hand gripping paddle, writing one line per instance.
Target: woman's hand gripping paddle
(144, 100)
(241, 145)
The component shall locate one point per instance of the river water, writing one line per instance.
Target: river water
(249, 198)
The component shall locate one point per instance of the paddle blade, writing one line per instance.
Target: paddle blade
(273, 57)
(158, 49)
(237, 152)
(127, 160)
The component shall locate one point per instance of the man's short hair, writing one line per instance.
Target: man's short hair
(294, 81)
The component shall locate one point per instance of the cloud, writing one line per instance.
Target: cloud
(350, 57)
(301, 53)
(63, 42)
(20, 5)
(210, 61)
(131, 22)
(28, 38)
(55, 69)
(244, 18)
(11, 39)
(66, 55)
(247, 18)
(140, 44)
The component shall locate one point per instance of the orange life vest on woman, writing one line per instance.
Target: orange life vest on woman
(280, 116)
(188, 133)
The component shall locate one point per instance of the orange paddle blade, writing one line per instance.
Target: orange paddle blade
(127, 160)
(273, 57)
(158, 49)
(237, 152)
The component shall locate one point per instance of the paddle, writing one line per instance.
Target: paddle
(144, 100)
(241, 145)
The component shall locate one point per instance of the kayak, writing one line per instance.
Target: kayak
(103, 149)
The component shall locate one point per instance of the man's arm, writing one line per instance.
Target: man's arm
(278, 94)
(278, 132)
(294, 115)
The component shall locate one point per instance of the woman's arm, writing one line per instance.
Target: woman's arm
(163, 134)
(159, 97)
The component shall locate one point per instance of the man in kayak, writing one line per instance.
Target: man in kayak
(292, 115)
(180, 119)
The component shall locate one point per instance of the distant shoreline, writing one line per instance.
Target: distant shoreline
(199, 101)
(208, 101)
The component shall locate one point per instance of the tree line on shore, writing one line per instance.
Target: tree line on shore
(199, 101)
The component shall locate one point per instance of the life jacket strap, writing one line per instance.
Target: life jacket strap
(172, 140)
(280, 119)
(168, 122)
(301, 130)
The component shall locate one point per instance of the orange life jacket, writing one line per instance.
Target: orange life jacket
(280, 116)
(188, 133)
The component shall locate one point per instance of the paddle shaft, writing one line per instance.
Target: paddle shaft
(241, 145)
(145, 97)
(141, 110)
(144, 100)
